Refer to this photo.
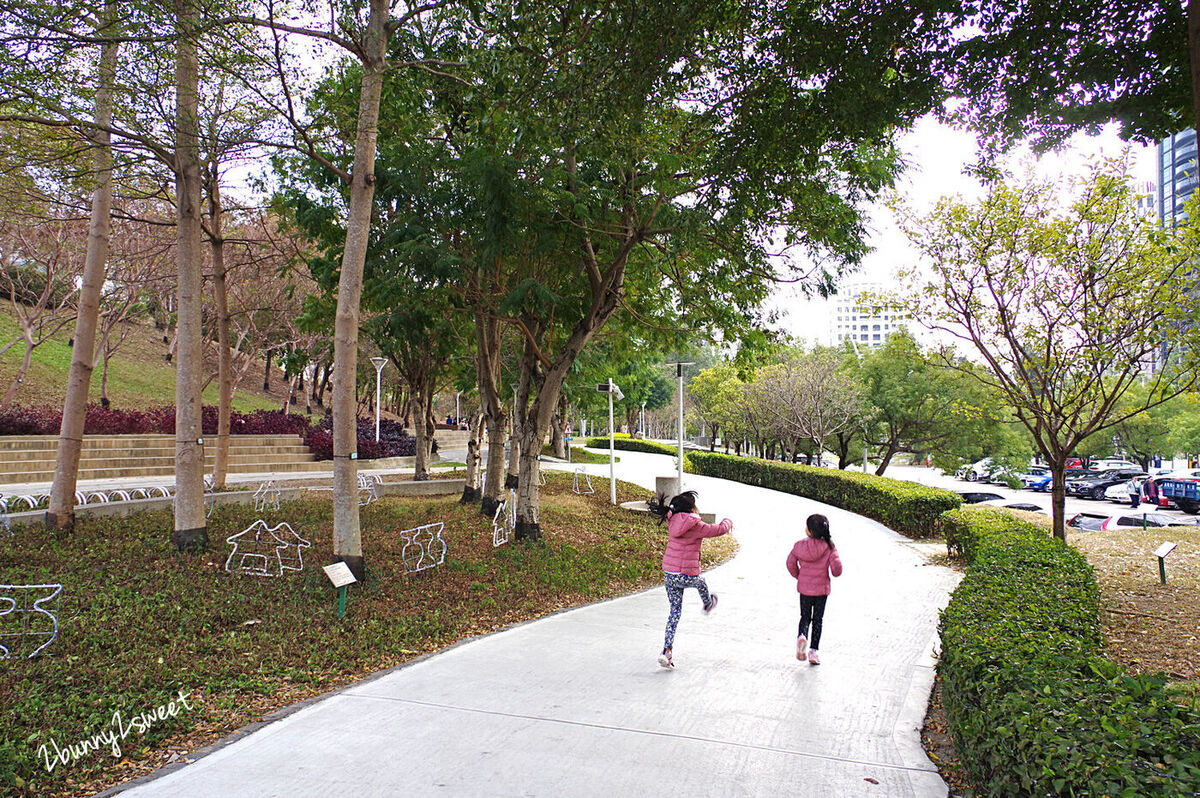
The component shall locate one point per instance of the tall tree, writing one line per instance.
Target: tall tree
(1064, 298)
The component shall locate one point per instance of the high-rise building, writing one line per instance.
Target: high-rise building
(1177, 171)
(856, 321)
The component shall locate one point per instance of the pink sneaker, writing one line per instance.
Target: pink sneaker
(664, 659)
(813, 658)
(801, 647)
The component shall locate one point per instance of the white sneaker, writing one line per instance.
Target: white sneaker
(801, 647)
(664, 659)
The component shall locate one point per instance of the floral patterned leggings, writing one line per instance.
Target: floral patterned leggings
(675, 584)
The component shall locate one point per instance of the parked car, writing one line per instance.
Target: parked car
(1009, 504)
(1138, 519)
(1087, 522)
(975, 471)
(1119, 492)
(1110, 463)
(1001, 474)
(1094, 485)
(1036, 478)
(977, 496)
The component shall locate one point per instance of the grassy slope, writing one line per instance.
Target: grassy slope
(139, 375)
(242, 646)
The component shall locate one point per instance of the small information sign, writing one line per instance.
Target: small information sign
(1164, 549)
(339, 573)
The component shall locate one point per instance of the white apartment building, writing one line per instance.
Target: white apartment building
(855, 321)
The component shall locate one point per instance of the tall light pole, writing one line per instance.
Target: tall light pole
(679, 364)
(379, 363)
(643, 425)
(611, 388)
(457, 413)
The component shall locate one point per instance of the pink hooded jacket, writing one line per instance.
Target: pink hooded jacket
(685, 533)
(811, 561)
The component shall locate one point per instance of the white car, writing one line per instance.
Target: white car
(976, 471)
(1112, 463)
(1136, 519)
(1119, 493)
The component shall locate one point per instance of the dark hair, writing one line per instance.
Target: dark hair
(819, 526)
(683, 503)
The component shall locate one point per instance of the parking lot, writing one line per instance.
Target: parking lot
(932, 476)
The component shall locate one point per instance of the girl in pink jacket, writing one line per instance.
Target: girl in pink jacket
(811, 561)
(681, 561)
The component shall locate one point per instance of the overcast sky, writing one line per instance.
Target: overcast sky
(937, 155)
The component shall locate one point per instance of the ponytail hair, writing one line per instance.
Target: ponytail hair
(683, 503)
(819, 526)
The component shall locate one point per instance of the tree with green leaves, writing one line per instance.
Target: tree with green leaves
(1045, 69)
(1064, 297)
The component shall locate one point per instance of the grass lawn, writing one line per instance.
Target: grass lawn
(580, 456)
(140, 623)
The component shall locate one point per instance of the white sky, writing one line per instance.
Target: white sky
(937, 155)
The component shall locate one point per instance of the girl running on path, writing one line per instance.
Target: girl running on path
(681, 561)
(811, 561)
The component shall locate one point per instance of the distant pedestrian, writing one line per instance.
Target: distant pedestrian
(681, 561)
(1134, 489)
(1150, 491)
(811, 562)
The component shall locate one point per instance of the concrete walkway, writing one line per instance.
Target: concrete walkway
(575, 704)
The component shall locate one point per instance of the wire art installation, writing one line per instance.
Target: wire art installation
(25, 616)
(266, 497)
(210, 496)
(367, 491)
(259, 550)
(587, 483)
(504, 520)
(423, 548)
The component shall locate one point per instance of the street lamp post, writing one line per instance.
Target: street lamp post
(379, 363)
(679, 364)
(611, 388)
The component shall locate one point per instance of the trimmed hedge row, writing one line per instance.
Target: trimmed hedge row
(632, 445)
(906, 507)
(1033, 706)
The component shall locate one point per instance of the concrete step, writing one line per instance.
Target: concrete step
(282, 452)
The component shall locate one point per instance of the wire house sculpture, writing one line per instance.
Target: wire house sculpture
(266, 497)
(423, 547)
(259, 550)
(367, 490)
(504, 520)
(586, 487)
(25, 618)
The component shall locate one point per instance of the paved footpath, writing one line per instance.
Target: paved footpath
(575, 704)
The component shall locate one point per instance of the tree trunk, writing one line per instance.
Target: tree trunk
(512, 477)
(422, 403)
(224, 354)
(1058, 496)
(487, 367)
(61, 513)
(471, 492)
(557, 434)
(190, 522)
(888, 454)
(347, 536)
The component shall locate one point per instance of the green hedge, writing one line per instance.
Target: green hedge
(632, 445)
(1033, 706)
(906, 507)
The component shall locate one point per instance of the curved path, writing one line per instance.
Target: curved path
(574, 704)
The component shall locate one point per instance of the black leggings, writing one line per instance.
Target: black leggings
(812, 609)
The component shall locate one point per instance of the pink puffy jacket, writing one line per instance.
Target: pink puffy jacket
(685, 533)
(811, 561)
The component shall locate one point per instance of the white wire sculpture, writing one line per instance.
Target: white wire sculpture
(98, 497)
(367, 492)
(31, 501)
(25, 615)
(140, 493)
(210, 496)
(119, 495)
(259, 550)
(587, 483)
(266, 497)
(504, 520)
(423, 547)
(161, 490)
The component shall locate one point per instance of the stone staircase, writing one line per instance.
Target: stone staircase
(30, 458)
